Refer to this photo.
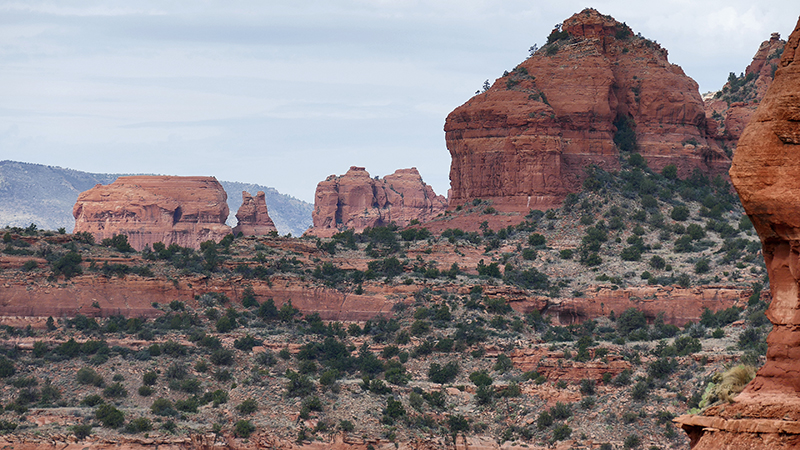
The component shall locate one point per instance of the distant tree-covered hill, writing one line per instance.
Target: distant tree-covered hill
(45, 195)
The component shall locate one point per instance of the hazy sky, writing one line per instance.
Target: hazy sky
(285, 93)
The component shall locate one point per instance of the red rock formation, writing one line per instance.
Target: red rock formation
(729, 110)
(765, 172)
(253, 217)
(356, 201)
(526, 141)
(148, 209)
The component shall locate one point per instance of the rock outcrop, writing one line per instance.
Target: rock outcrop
(253, 217)
(765, 172)
(148, 209)
(357, 201)
(729, 110)
(594, 88)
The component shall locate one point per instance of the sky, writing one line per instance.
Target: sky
(286, 93)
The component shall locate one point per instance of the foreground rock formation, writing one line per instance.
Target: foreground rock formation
(525, 142)
(148, 209)
(765, 172)
(253, 216)
(729, 110)
(357, 201)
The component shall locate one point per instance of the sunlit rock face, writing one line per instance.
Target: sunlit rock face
(357, 201)
(148, 209)
(526, 141)
(253, 217)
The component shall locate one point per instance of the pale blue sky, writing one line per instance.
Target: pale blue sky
(285, 93)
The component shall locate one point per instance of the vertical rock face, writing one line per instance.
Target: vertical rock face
(148, 209)
(526, 141)
(729, 111)
(253, 218)
(357, 201)
(766, 173)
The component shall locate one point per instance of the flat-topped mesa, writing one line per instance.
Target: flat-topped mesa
(766, 173)
(253, 218)
(149, 209)
(729, 110)
(357, 201)
(594, 92)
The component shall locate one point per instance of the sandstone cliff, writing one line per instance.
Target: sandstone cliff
(729, 110)
(253, 216)
(765, 172)
(357, 201)
(148, 209)
(595, 87)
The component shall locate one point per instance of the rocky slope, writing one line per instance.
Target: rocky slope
(728, 111)
(149, 209)
(765, 172)
(357, 201)
(253, 217)
(595, 92)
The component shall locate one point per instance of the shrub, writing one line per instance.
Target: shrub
(87, 375)
(116, 390)
(561, 411)
(149, 378)
(679, 213)
(139, 425)
(561, 432)
(163, 407)
(248, 406)
(110, 416)
(632, 441)
(82, 431)
(243, 429)
(443, 374)
(544, 420)
(145, 391)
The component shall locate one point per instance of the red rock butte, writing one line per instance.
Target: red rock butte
(149, 209)
(525, 142)
(766, 173)
(253, 217)
(357, 201)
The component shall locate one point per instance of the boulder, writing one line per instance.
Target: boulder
(357, 201)
(253, 218)
(526, 141)
(148, 209)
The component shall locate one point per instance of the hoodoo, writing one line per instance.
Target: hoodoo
(148, 209)
(595, 92)
(253, 216)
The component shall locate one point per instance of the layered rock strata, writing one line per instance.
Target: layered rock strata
(525, 142)
(253, 217)
(765, 172)
(357, 201)
(148, 209)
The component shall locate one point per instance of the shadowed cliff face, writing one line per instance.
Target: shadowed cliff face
(525, 142)
(765, 171)
(148, 209)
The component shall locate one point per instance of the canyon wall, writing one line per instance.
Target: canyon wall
(148, 209)
(765, 172)
(253, 217)
(357, 201)
(525, 142)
